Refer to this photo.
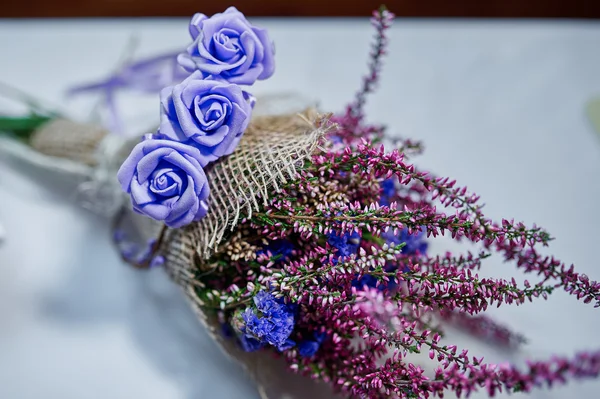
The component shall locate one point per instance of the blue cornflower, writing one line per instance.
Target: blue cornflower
(272, 322)
(308, 347)
(346, 244)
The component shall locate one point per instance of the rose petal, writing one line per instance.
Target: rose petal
(231, 92)
(173, 182)
(202, 210)
(207, 155)
(216, 137)
(211, 26)
(226, 45)
(196, 24)
(188, 90)
(167, 116)
(239, 25)
(149, 162)
(187, 205)
(268, 59)
(239, 120)
(155, 211)
(249, 42)
(186, 61)
(183, 98)
(189, 166)
(184, 219)
(247, 78)
(201, 186)
(212, 102)
(178, 160)
(128, 167)
(201, 48)
(140, 193)
(207, 63)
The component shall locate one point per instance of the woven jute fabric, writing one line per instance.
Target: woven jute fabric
(71, 140)
(270, 153)
(272, 149)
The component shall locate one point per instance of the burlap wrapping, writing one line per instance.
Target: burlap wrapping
(71, 140)
(267, 156)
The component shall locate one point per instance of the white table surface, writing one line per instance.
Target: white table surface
(500, 106)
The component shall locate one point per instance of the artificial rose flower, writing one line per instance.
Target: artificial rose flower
(208, 114)
(226, 46)
(166, 181)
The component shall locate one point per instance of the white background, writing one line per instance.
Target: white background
(500, 106)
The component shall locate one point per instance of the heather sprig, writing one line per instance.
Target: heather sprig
(484, 328)
(513, 240)
(381, 21)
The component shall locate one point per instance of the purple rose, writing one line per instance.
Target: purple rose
(165, 181)
(227, 47)
(210, 113)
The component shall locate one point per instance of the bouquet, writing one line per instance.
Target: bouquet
(305, 236)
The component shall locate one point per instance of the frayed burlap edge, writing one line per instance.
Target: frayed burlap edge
(269, 154)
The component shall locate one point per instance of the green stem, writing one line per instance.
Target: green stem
(22, 127)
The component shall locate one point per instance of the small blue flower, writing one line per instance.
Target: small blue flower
(227, 330)
(415, 243)
(272, 322)
(309, 347)
(366, 281)
(346, 244)
(388, 191)
(129, 250)
(250, 344)
(278, 248)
